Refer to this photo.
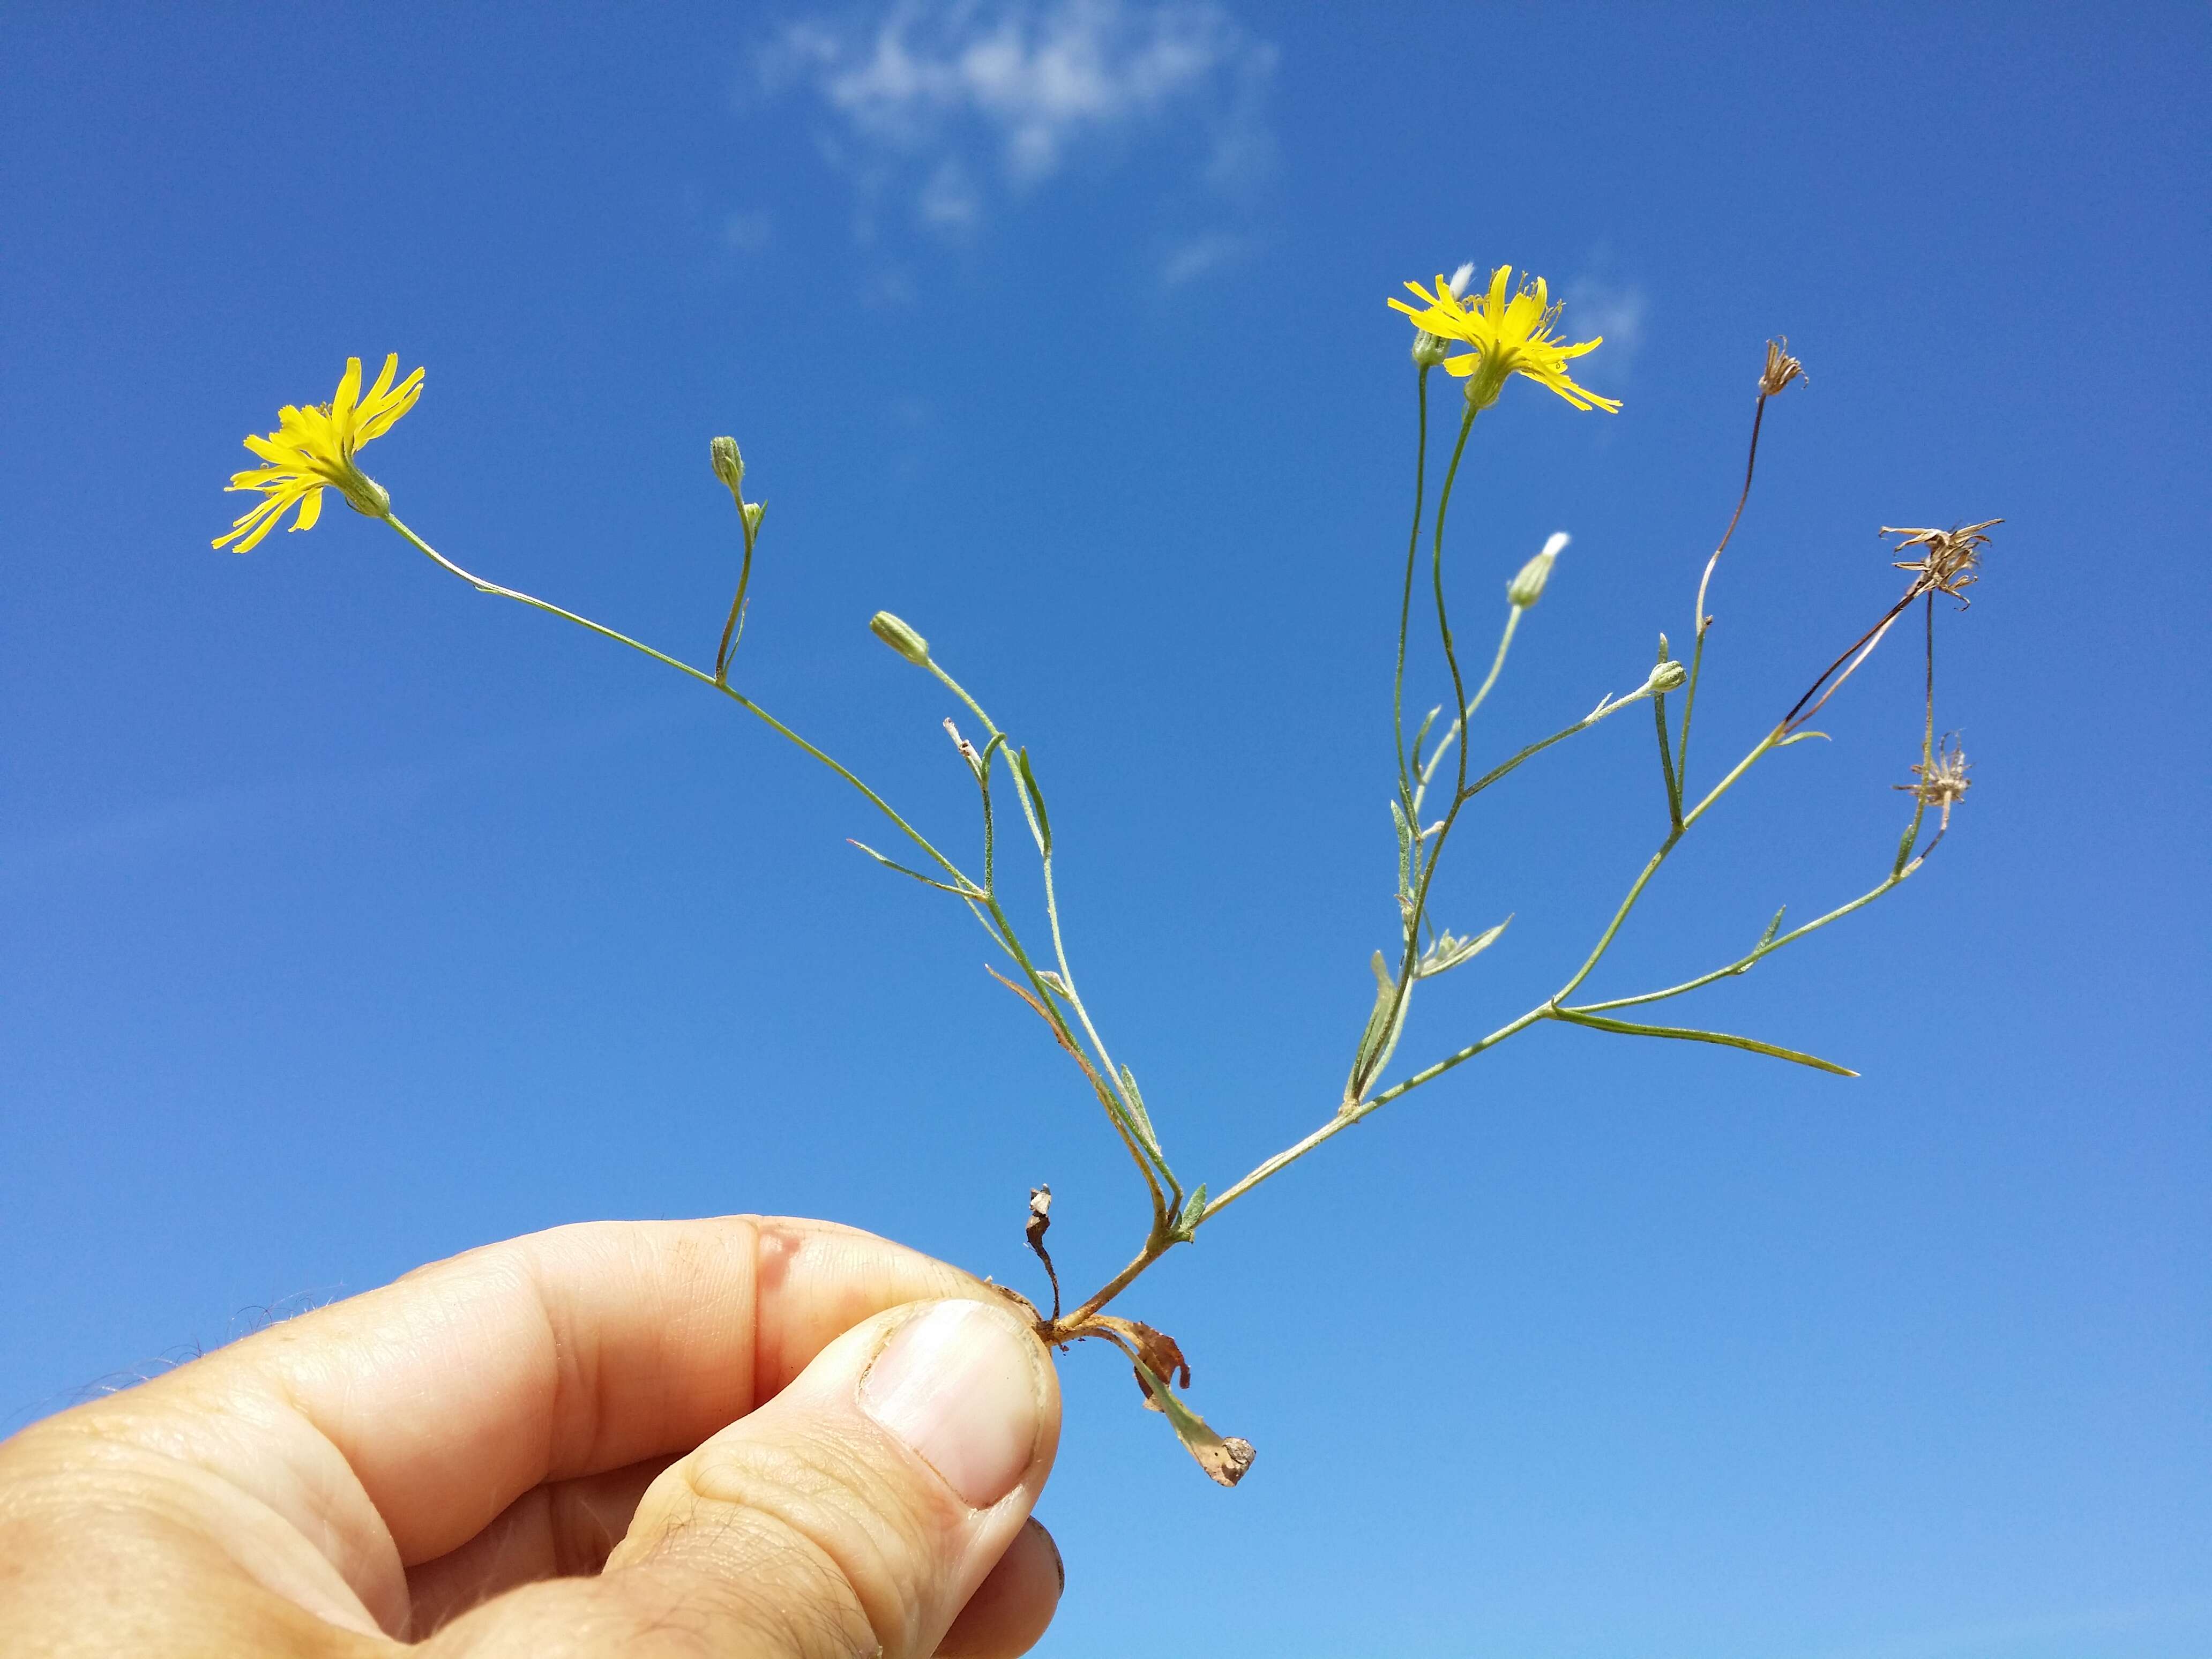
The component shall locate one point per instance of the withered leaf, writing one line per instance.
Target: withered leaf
(1040, 1214)
(1150, 1348)
(1226, 1458)
(1034, 1231)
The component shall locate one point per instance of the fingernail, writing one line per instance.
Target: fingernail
(959, 1384)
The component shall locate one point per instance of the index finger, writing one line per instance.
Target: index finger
(454, 1390)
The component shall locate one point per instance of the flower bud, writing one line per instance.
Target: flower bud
(729, 467)
(1525, 589)
(900, 637)
(1428, 349)
(1666, 675)
(753, 510)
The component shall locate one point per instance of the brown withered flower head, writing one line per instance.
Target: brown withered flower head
(1941, 780)
(1781, 368)
(1952, 559)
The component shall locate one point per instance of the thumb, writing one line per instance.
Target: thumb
(853, 1514)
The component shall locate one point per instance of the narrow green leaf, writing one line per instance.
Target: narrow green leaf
(1448, 952)
(1905, 846)
(1421, 737)
(1144, 1119)
(1689, 1034)
(926, 881)
(1772, 928)
(1371, 1034)
(1044, 832)
(1192, 1212)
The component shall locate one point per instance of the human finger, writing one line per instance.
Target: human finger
(1011, 1607)
(562, 1529)
(388, 1430)
(858, 1510)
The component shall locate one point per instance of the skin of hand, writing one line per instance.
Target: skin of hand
(743, 1436)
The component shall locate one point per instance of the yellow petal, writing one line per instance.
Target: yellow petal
(383, 378)
(349, 389)
(256, 524)
(311, 508)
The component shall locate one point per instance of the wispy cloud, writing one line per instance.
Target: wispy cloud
(1615, 311)
(938, 108)
(1192, 259)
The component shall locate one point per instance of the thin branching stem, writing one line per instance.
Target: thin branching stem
(1406, 599)
(1104, 1078)
(1750, 959)
(730, 628)
(1459, 722)
(700, 675)
(1705, 621)
(1411, 919)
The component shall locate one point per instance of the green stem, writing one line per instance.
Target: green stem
(1497, 664)
(1356, 1085)
(700, 675)
(736, 604)
(1698, 649)
(1118, 1110)
(1406, 599)
(1346, 1117)
(1745, 962)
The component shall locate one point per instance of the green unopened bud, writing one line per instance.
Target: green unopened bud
(1525, 589)
(753, 510)
(1429, 348)
(1666, 675)
(900, 637)
(730, 467)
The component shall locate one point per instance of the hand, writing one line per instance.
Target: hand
(740, 1436)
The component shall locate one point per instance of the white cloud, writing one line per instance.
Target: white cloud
(1614, 311)
(1193, 258)
(932, 99)
(948, 200)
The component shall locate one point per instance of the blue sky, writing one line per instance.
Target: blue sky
(350, 918)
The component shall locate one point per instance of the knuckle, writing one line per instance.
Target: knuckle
(821, 1515)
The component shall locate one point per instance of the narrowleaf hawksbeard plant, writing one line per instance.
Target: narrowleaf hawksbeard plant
(1437, 774)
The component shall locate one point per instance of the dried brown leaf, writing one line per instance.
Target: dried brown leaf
(1149, 1348)
(1226, 1458)
(1034, 1231)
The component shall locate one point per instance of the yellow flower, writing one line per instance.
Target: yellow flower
(311, 448)
(1511, 334)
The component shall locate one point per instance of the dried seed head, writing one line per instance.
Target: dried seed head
(1941, 780)
(1781, 368)
(1951, 562)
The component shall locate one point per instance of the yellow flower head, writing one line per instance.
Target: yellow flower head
(314, 447)
(1511, 334)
